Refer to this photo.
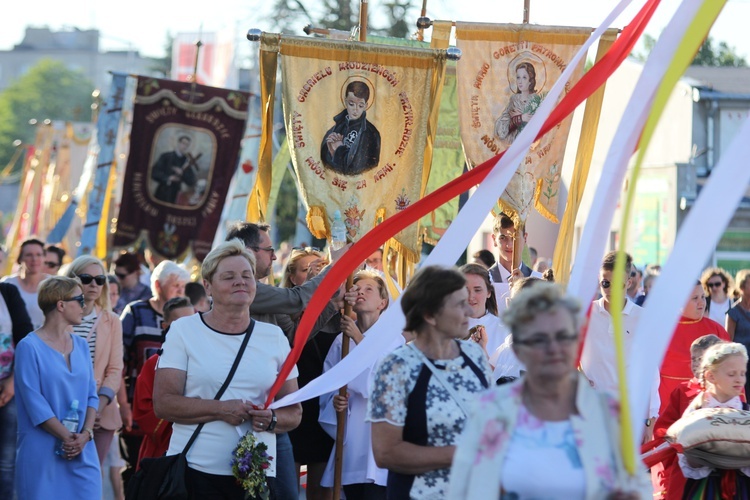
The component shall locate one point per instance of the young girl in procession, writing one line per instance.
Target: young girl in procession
(723, 376)
(361, 477)
(485, 327)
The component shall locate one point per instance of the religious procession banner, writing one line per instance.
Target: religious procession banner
(185, 142)
(357, 120)
(504, 74)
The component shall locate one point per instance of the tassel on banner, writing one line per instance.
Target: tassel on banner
(317, 222)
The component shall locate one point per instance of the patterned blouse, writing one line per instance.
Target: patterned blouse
(406, 394)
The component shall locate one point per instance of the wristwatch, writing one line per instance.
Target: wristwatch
(91, 433)
(274, 420)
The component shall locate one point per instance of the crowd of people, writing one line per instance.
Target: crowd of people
(498, 372)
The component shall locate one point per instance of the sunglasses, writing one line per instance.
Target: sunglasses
(714, 285)
(86, 279)
(51, 265)
(308, 249)
(270, 250)
(122, 276)
(78, 298)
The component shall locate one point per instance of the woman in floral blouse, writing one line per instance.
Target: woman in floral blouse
(421, 390)
(551, 421)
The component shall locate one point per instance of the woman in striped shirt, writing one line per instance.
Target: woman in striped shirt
(102, 330)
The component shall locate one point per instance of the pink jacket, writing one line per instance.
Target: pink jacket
(108, 365)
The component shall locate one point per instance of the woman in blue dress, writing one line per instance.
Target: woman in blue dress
(52, 369)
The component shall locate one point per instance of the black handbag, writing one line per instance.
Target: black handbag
(164, 478)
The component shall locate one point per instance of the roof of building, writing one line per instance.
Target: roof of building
(727, 80)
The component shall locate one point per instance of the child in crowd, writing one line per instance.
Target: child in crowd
(722, 374)
(668, 480)
(157, 431)
(361, 477)
(197, 295)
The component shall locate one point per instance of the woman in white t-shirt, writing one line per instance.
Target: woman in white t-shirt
(716, 284)
(30, 274)
(198, 354)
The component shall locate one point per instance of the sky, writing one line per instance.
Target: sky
(144, 25)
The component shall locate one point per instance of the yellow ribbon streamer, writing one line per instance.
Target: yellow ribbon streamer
(694, 36)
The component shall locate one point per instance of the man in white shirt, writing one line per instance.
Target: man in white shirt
(598, 361)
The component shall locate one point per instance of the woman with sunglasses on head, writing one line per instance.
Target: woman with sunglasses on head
(53, 372)
(102, 331)
(30, 273)
(551, 420)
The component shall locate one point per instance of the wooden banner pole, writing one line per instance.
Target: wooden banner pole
(526, 9)
(338, 460)
(363, 20)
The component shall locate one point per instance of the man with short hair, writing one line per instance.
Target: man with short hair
(53, 259)
(598, 359)
(503, 234)
(142, 337)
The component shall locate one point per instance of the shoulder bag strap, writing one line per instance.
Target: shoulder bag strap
(226, 382)
(461, 402)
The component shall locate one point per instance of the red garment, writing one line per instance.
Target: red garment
(676, 366)
(157, 432)
(671, 480)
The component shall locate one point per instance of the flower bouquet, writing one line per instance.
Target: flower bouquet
(249, 463)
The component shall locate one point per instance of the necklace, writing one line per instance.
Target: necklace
(64, 351)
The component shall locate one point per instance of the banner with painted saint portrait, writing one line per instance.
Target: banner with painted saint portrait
(184, 147)
(504, 74)
(357, 118)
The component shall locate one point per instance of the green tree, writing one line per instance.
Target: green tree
(48, 91)
(709, 53)
(389, 17)
(721, 54)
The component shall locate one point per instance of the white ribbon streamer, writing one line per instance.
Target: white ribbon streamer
(386, 332)
(695, 242)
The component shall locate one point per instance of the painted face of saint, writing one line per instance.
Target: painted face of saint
(522, 80)
(355, 106)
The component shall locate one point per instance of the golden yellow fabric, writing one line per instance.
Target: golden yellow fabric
(504, 74)
(376, 165)
(257, 205)
(589, 126)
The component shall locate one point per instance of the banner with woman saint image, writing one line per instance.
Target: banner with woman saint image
(357, 120)
(504, 74)
(184, 145)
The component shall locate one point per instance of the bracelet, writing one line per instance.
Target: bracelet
(91, 433)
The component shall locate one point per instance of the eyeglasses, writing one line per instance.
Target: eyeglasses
(86, 279)
(270, 250)
(543, 342)
(51, 265)
(78, 298)
(714, 285)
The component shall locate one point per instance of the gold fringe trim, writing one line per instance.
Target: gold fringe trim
(540, 206)
(389, 283)
(514, 33)
(317, 222)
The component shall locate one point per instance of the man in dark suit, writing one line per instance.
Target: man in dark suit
(171, 170)
(503, 232)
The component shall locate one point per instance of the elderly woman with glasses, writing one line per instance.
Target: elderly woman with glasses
(551, 420)
(102, 331)
(53, 374)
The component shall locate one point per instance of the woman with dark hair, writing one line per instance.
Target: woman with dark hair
(30, 275)
(484, 258)
(738, 317)
(484, 325)
(420, 391)
(717, 285)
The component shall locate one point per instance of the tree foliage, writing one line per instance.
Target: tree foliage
(48, 91)
(709, 53)
(721, 54)
(394, 18)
